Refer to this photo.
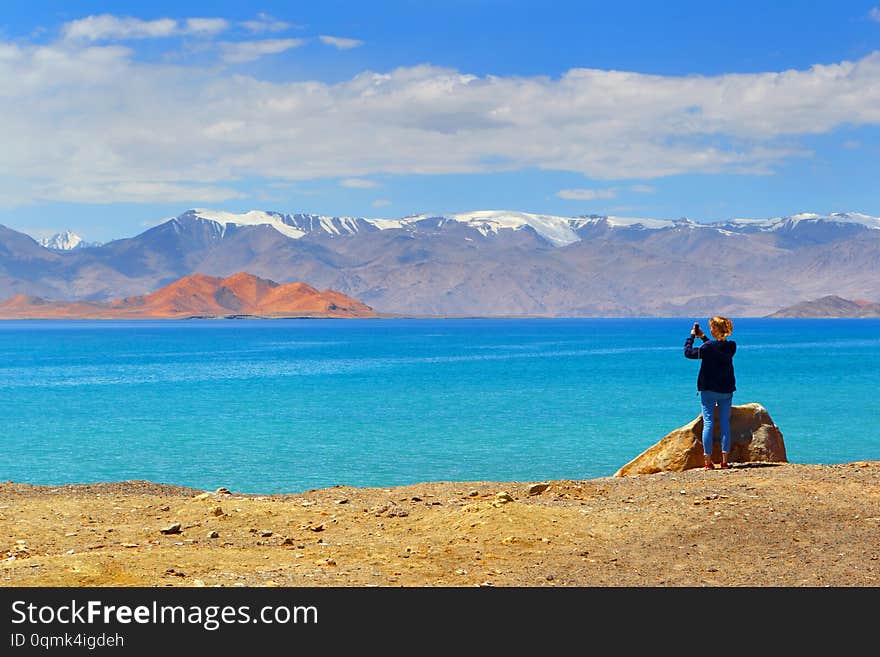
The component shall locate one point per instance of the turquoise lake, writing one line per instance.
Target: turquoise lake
(268, 406)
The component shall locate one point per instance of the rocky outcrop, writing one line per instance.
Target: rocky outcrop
(754, 438)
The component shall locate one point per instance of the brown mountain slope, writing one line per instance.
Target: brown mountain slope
(199, 296)
(830, 306)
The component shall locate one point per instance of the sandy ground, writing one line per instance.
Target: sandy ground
(755, 525)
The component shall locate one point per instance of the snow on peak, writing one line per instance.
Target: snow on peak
(252, 218)
(557, 230)
(854, 218)
(386, 224)
(638, 222)
(294, 226)
(63, 241)
(777, 223)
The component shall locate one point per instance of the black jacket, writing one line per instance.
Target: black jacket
(716, 364)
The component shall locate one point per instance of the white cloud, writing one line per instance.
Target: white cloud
(205, 26)
(266, 23)
(586, 194)
(247, 51)
(80, 120)
(381, 202)
(359, 183)
(874, 14)
(340, 43)
(136, 192)
(604, 193)
(106, 27)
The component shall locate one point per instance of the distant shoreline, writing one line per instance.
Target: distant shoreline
(382, 316)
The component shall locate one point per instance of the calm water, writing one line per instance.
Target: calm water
(288, 405)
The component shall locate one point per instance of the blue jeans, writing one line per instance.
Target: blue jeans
(708, 401)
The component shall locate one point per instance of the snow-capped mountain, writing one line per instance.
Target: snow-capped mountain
(294, 226)
(556, 230)
(559, 231)
(488, 262)
(63, 241)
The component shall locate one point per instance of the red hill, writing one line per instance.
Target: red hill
(199, 296)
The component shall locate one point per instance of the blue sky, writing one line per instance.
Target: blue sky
(118, 115)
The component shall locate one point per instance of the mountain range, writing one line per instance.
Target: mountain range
(480, 263)
(241, 294)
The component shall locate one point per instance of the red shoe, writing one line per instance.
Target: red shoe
(710, 466)
(725, 465)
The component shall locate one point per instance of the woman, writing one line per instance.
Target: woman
(716, 382)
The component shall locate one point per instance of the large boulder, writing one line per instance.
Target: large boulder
(754, 438)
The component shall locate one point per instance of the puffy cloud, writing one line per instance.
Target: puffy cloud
(340, 42)
(874, 14)
(106, 27)
(586, 194)
(247, 51)
(78, 120)
(381, 202)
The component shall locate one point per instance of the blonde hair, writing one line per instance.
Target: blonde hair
(722, 326)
